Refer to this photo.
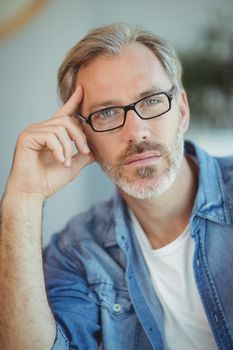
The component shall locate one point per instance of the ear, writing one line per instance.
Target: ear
(184, 109)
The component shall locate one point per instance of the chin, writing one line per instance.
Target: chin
(147, 188)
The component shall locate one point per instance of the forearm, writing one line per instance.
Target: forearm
(26, 320)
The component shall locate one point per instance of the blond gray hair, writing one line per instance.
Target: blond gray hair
(110, 40)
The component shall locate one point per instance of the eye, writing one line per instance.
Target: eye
(151, 101)
(106, 113)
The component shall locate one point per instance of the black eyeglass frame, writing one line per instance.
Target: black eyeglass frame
(129, 107)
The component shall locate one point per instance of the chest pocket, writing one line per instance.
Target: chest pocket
(115, 299)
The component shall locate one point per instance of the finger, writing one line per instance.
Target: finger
(51, 142)
(77, 135)
(79, 161)
(73, 129)
(61, 133)
(67, 144)
(71, 106)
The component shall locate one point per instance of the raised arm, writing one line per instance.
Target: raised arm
(43, 163)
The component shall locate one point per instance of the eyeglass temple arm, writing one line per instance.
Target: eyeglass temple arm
(82, 118)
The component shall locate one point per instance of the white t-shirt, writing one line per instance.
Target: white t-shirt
(171, 271)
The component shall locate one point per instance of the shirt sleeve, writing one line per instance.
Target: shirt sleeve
(75, 312)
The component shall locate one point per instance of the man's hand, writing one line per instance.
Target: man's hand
(44, 159)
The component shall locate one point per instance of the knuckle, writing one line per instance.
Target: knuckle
(67, 121)
(81, 138)
(51, 136)
(62, 122)
(60, 128)
(64, 118)
(23, 136)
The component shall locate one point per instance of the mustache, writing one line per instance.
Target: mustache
(143, 146)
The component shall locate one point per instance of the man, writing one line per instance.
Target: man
(149, 269)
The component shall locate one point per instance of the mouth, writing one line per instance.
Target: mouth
(145, 158)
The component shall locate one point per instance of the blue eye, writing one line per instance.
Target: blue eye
(106, 113)
(152, 101)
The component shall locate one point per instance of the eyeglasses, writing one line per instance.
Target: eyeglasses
(111, 118)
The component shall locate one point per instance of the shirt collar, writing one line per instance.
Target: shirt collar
(211, 199)
(210, 203)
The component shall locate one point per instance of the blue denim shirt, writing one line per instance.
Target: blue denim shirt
(98, 284)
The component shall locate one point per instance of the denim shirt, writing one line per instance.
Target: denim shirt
(98, 284)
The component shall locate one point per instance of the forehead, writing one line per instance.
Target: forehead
(124, 76)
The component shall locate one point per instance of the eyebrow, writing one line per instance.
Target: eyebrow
(110, 103)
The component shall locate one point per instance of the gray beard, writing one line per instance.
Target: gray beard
(147, 181)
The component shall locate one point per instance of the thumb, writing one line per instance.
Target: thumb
(79, 161)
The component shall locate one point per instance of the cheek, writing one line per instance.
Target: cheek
(169, 125)
(162, 128)
(101, 145)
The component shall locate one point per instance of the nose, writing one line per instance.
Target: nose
(135, 129)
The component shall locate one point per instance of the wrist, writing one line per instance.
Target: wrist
(21, 203)
(12, 195)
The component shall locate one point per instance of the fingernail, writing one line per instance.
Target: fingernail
(68, 163)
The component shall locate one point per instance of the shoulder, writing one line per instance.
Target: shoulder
(86, 247)
(87, 229)
(91, 224)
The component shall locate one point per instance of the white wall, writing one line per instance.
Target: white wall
(29, 62)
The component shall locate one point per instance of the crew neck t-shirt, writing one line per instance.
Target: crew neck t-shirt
(171, 270)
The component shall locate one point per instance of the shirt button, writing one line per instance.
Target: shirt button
(117, 307)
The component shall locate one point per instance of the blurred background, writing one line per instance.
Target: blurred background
(35, 35)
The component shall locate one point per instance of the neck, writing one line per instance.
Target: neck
(164, 218)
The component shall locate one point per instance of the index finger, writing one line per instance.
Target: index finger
(71, 106)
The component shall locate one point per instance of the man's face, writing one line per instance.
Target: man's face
(142, 157)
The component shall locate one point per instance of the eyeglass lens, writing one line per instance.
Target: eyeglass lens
(148, 107)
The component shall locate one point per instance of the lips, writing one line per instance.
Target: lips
(142, 157)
